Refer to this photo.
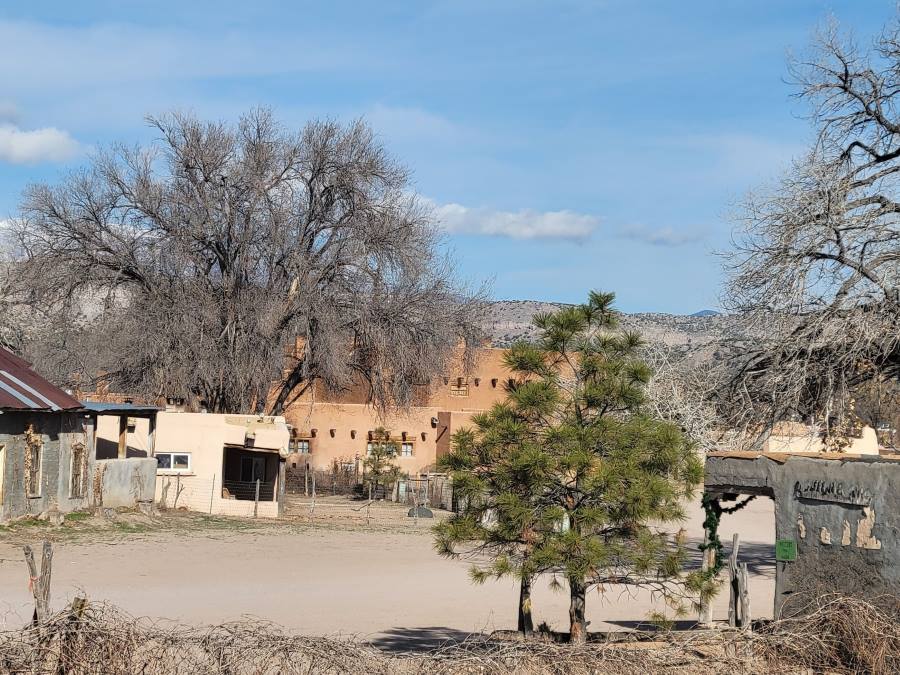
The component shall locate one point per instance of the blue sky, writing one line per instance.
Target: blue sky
(566, 145)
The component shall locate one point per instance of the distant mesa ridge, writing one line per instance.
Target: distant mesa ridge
(698, 337)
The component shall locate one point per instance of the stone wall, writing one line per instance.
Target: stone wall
(843, 514)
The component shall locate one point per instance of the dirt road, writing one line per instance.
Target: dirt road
(388, 586)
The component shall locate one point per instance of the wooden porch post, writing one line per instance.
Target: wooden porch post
(151, 435)
(123, 436)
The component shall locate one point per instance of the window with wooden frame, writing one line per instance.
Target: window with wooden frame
(460, 387)
(301, 446)
(406, 449)
(78, 477)
(34, 451)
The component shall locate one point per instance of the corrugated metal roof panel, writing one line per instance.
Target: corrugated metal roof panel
(23, 389)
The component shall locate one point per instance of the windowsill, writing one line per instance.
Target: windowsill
(170, 472)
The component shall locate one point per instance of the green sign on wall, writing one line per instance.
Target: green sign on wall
(785, 550)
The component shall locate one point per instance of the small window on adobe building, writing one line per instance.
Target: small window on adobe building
(460, 387)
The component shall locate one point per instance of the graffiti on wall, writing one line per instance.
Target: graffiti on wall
(832, 491)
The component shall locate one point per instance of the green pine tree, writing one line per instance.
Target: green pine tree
(379, 469)
(587, 468)
(500, 474)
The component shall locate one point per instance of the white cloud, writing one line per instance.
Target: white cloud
(663, 236)
(49, 144)
(524, 224)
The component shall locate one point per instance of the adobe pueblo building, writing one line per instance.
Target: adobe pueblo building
(329, 428)
(837, 520)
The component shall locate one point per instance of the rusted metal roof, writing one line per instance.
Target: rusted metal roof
(23, 389)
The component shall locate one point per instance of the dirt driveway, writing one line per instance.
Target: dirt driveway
(381, 582)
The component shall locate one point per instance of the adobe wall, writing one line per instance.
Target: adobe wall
(137, 441)
(843, 514)
(341, 432)
(485, 380)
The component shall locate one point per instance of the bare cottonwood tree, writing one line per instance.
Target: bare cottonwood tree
(224, 258)
(817, 266)
(683, 393)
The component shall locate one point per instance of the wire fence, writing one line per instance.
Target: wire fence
(305, 492)
(342, 478)
(217, 497)
(433, 491)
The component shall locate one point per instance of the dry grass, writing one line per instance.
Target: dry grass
(106, 640)
(836, 635)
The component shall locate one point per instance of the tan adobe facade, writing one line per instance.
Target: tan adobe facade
(207, 462)
(328, 428)
(795, 437)
(211, 462)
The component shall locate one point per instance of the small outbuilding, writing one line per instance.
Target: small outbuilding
(221, 464)
(46, 438)
(48, 450)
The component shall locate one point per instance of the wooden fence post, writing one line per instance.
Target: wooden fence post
(40, 582)
(212, 492)
(66, 664)
(739, 589)
(256, 499)
(709, 557)
(744, 577)
(282, 486)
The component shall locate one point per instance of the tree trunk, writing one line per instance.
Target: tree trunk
(526, 624)
(577, 627)
(291, 382)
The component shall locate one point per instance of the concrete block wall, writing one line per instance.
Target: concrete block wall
(125, 482)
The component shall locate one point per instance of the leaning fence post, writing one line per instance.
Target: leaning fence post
(256, 499)
(39, 583)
